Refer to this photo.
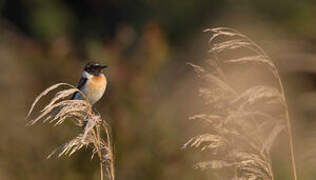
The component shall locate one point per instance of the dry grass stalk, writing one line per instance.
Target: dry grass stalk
(59, 109)
(241, 131)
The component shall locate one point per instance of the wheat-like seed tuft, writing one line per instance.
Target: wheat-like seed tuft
(59, 109)
(242, 131)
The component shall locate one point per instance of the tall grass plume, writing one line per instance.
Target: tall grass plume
(95, 131)
(241, 125)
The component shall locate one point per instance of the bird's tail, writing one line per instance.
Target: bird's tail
(56, 110)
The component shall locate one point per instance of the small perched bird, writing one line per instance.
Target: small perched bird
(92, 83)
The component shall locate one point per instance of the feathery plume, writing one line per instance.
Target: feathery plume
(59, 109)
(242, 131)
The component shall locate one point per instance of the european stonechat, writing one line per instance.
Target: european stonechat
(92, 83)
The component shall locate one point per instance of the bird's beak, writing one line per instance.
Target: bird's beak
(104, 66)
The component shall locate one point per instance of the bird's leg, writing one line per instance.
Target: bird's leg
(97, 113)
(94, 109)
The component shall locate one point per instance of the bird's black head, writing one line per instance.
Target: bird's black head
(94, 68)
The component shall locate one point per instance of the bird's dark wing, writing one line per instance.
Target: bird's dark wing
(81, 83)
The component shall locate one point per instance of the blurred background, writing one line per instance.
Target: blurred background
(151, 91)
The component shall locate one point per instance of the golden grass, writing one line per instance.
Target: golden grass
(80, 111)
(242, 131)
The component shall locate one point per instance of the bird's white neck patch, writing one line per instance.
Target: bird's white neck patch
(87, 75)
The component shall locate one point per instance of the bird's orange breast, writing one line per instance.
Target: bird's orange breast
(95, 88)
(98, 82)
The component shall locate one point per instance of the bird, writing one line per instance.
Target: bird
(92, 83)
